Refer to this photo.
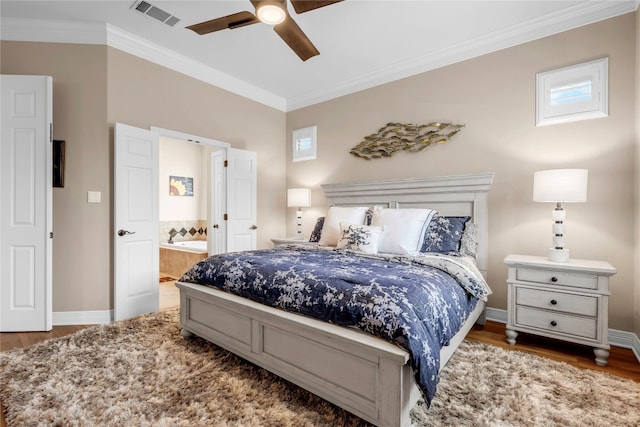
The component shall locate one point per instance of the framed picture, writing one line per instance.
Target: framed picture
(58, 163)
(180, 186)
(304, 144)
(569, 94)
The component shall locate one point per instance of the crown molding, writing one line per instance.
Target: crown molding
(569, 18)
(101, 33)
(36, 30)
(41, 30)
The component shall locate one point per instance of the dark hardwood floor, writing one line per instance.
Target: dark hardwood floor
(622, 361)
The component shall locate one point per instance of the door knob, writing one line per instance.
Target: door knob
(125, 232)
(216, 226)
(253, 227)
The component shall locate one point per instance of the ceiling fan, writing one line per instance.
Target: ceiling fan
(272, 12)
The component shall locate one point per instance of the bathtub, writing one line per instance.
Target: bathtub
(192, 245)
(176, 258)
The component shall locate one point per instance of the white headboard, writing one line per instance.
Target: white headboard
(449, 195)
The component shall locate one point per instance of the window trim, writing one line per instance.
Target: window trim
(304, 153)
(597, 105)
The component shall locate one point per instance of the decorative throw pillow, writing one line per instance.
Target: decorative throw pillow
(403, 229)
(444, 234)
(369, 214)
(317, 230)
(335, 215)
(359, 238)
(469, 241)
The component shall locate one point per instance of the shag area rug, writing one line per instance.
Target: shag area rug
(141, 372)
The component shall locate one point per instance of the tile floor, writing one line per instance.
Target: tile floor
(169, 294)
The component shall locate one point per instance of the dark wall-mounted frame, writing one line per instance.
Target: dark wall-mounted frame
(58, 163)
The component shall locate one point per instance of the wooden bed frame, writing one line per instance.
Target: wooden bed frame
(365, 375)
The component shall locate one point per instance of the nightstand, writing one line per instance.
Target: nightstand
(567, 301)
(283, 241)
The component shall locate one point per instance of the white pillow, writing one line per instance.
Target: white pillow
(403, 229)
(359, 238)
(335, 215)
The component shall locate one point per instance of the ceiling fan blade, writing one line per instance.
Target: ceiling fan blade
(232, 21)
(302, 6)
(296, 39)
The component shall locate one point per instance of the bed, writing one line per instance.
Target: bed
(366, 375)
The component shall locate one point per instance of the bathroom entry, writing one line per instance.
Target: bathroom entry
(184, 192)
(230, 178)
(136, 239)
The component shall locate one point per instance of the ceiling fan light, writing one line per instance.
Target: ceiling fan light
(271, 14)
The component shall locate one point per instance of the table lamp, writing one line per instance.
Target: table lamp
(300, 198)
(560, 186)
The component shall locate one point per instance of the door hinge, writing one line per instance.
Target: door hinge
(226, 217)
(226, 163)
(50, 132)
(51, 235)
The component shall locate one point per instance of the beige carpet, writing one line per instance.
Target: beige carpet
(142, 372)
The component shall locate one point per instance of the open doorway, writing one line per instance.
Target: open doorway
(188, 204)
(136, 206)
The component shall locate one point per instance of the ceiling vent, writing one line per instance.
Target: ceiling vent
(156, 13)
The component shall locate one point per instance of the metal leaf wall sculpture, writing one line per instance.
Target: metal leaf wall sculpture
(403, 137)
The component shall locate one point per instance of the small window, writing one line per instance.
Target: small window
(569, 94)
(304, 144)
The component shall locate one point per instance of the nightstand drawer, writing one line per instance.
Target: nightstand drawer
(586, 281)
(557, 301)
(584, 327)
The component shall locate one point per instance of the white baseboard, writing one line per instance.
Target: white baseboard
(497, 315)
(617, 338)
(97, 317)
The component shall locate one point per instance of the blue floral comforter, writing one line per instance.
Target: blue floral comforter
(419, 303)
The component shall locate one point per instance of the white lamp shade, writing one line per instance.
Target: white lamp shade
(560, 185)
(299, 197)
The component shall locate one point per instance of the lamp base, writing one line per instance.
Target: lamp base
(559, 255)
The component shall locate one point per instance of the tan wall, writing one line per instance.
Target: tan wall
(186, 159)
(494, 97)
(144, 94)
(81, 244)
(95, 86)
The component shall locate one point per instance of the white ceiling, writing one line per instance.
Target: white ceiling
(362, 43)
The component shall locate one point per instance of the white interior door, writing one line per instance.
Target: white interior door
(241, 200)
(217, 229)
(26, 203)
(136, 240)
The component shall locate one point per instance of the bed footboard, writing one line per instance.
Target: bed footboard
(362, 374)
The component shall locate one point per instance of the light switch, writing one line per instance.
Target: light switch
(94, 197)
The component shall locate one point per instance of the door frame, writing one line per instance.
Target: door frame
(223, 147)
(140, 299)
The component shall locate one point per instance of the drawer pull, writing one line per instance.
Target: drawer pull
(553, 302)
(554, 323)
(554, 279)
